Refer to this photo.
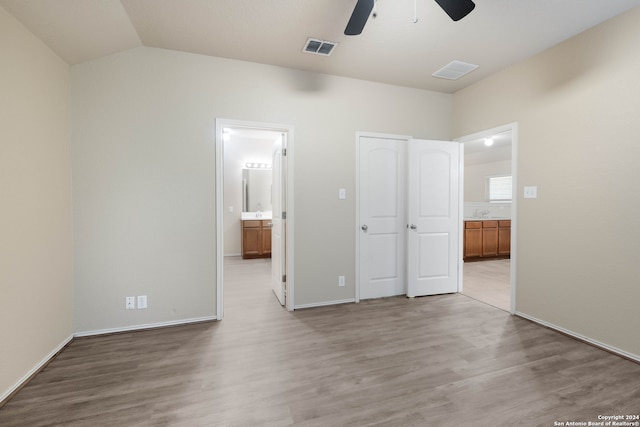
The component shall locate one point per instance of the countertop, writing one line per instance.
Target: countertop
(494, 218)
(255, 215)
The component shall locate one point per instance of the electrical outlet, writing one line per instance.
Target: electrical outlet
(142, 301)
(130, 303)
(341, 281)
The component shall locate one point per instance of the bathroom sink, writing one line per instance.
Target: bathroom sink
(255, 215)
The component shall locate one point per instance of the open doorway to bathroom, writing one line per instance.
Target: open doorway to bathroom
(489, 216)
(251, 228)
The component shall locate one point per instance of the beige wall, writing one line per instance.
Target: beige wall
(475, 177)
(144, 178)
(36, 299)
(577, 107)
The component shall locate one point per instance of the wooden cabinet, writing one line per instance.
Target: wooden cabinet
(256, 239)
(487, 239)
(504, 237)
(472, 239)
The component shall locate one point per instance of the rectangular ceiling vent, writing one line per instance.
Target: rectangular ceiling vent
(454, 70)
(319, 47)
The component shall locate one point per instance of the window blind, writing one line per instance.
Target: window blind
(500, 188)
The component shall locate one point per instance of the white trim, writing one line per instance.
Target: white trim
(360, 134)
(325, 303)
(144, 326)
(289, 223)
(580, 337)
(35, 369)
(513, 127)
(461, 218)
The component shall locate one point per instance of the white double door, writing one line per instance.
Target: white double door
(409, 217)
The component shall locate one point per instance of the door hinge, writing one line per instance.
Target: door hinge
(284, 214)
(284, 152)
(284, 278)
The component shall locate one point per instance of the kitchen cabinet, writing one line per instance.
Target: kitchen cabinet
(504, 237)
(256, 239)
(487, 239)
(472, 239)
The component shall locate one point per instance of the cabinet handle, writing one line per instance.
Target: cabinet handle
(364, 228)
(413, 227)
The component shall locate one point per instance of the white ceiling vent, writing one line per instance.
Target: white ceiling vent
(319, 47)
(454, 70)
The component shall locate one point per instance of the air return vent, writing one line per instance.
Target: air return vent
(454, 70)
(319, 47)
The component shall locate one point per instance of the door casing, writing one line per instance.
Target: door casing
(221, 124)
(513, 128)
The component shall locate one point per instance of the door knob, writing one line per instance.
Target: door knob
(364, 228)
(414, 227)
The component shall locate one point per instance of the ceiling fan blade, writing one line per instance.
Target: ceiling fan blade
(457, 9)
(359, 17)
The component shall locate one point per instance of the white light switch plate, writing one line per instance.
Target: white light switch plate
(342, 193)
(142, 301)
(531, 192)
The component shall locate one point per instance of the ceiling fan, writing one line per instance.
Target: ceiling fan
(456, 9)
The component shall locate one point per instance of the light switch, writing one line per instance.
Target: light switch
(142, 301)
(531, 192)
(342, 193)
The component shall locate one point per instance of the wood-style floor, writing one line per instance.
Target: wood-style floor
(435, 361)
(488, 281)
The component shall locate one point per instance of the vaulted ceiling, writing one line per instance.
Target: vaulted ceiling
(392, 48)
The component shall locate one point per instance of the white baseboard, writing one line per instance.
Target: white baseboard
(35, 369)
(144, 326)
(580, 337)
(322, 304)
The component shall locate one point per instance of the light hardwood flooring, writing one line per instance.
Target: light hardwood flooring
(435, 361)
(489, 282)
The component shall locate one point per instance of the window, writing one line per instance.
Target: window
(499, 188)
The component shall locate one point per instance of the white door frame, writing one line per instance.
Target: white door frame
(229, 123)
(359, 134)
(513, 128)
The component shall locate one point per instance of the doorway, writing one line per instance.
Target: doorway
(253, 167)
(491, 279)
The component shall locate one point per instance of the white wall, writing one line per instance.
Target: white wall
(144, 179)
(36, 292)
(578, 243)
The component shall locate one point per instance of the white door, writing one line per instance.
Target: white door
(382, 219)
(278, 240)
(434, 221)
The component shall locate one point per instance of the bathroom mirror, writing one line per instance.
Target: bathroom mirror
(256, 190)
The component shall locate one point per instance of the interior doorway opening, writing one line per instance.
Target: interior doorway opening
(253, 238)
(489, 223)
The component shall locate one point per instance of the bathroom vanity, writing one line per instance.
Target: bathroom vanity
(256, 236)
